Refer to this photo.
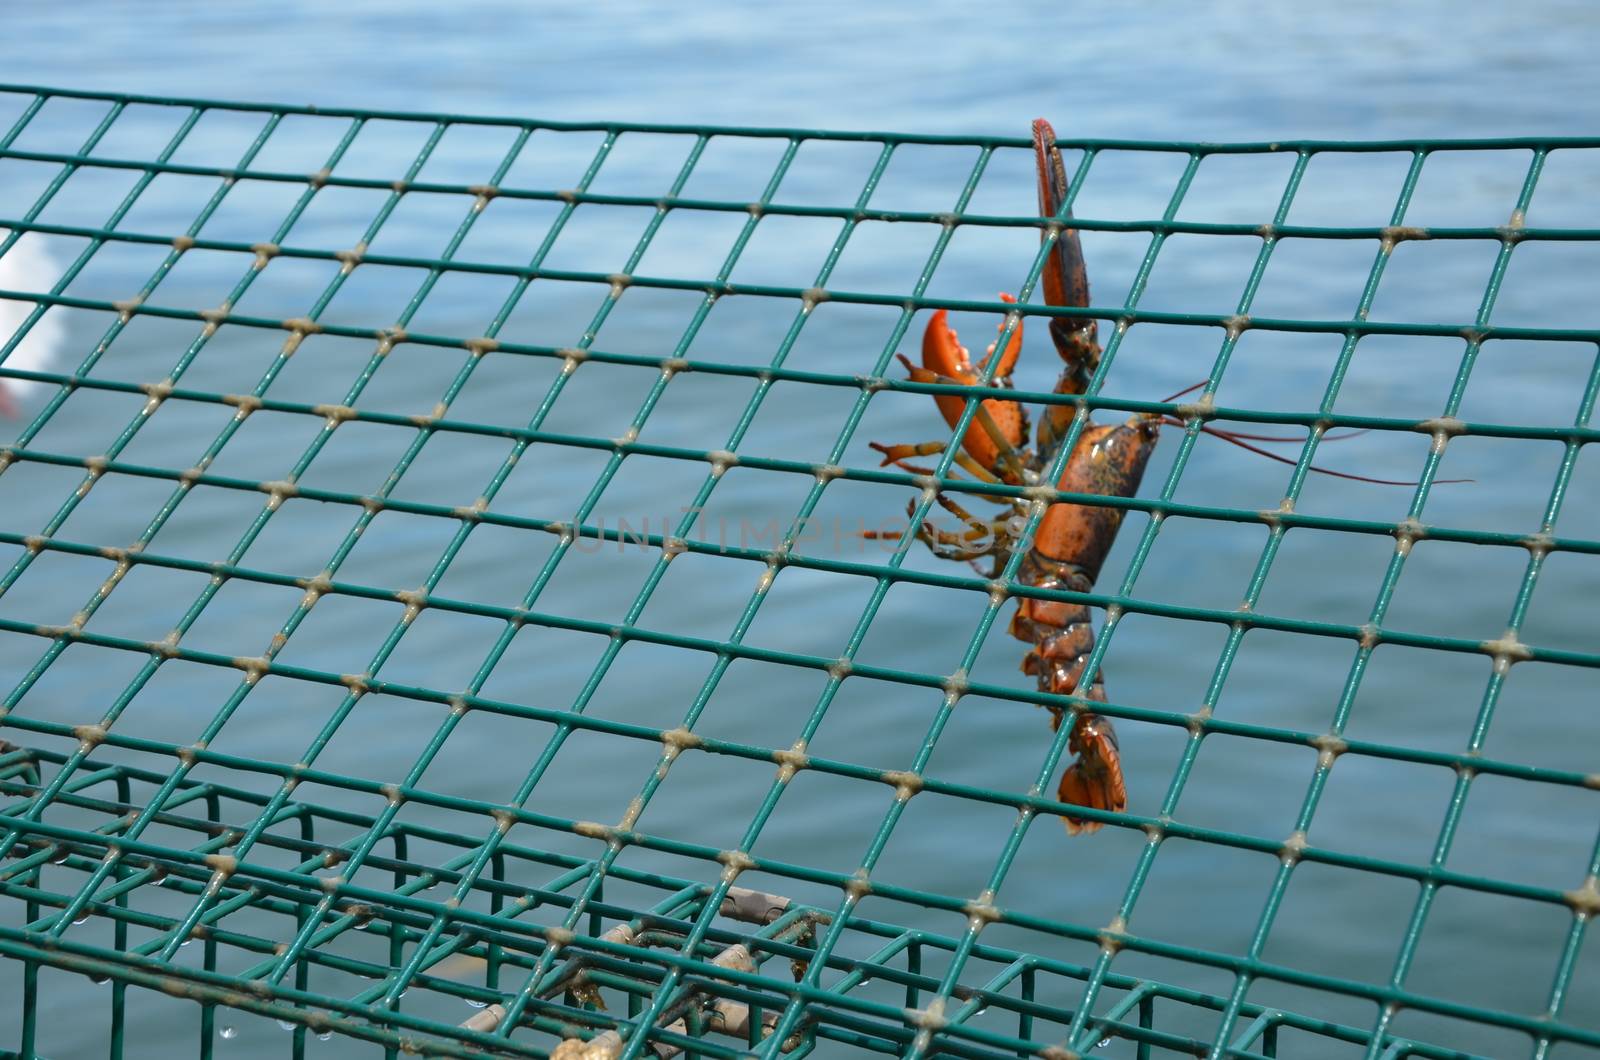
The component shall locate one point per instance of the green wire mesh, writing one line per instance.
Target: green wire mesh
(370, 907)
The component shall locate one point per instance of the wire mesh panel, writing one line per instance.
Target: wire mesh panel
(440, 609)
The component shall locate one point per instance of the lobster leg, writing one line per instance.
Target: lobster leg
(899, 454)
(957, 552)
(981, 538)
(997, 531)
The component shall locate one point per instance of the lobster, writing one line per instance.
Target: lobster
(1071, 541)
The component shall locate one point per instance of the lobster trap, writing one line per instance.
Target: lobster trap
(439, 613)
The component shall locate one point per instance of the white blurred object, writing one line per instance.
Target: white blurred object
(29, 267)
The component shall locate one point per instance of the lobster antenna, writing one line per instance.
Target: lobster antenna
(1185, 390)
(1229, 436)
(1266, 437)
(1292, 438)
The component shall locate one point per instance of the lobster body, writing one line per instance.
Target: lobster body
(1110, 461)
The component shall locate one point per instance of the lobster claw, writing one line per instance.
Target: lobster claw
(943, 353)
(944, 359)
(1066, 278)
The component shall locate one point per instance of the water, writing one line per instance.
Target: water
(1247, 72)
(1251, 70)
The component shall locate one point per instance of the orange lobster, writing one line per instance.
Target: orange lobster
(1072, 540)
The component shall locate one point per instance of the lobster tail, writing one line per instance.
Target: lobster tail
(1095, 779)
(1063, 639)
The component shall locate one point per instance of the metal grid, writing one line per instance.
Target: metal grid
(705, 965)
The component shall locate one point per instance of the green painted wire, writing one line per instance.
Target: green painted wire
(117, 861)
